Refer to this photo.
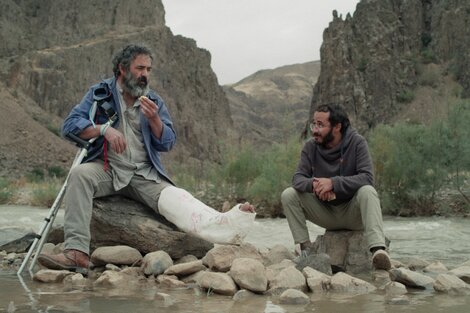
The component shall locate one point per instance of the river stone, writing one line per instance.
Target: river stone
(242, 295)
(117, 220)
(184, 269)
(220, 283)
(288, 278)
(75, 281)
(15, 239)
(249, 274)
(121, 280)
(165, 298)
(294, 296)
(276, 254)
(170, 282)
(394, 288)
(186, 259)
(51, 276)
(321, 262)
(462, 272)
(342, 282)
(273, 270)
(348, 250)
(220, 258)
(162, 277)
(193, 278)
(118, 255)
(435, 267)
(451, 284)
(410, 278)
(316, 280)
(416, 264)
(155, 263)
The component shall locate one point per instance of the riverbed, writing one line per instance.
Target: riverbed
(432, 239)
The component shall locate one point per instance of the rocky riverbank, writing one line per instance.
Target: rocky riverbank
(245, 271)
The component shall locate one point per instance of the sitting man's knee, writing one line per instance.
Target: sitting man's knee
(288, 194)
(367, 191)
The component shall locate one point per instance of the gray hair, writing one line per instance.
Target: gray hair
(127, 55)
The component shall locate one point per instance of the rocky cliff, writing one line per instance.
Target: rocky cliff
(52, 52)
(272, 105)
(371, 62)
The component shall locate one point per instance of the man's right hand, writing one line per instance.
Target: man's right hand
(116, 139)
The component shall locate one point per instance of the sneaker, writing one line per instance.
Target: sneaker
(381, 260)
(71, 260)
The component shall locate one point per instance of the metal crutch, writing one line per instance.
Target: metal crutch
(49, 220)
(100, 95)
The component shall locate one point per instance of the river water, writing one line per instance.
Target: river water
(433, 239)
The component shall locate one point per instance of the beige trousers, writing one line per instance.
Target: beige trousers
(88, 181)
(362, 212)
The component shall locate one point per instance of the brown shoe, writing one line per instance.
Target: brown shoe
(381, 260)
(71, 260)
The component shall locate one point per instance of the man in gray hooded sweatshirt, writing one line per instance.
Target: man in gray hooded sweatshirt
(333, 185)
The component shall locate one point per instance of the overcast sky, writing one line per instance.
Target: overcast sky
(244, 36)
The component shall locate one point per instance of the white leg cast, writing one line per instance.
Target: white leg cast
(192, 216)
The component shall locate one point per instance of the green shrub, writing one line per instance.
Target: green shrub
(430, 77)
(56, 172)
(426, 39)
(413, 163)
(428, 56)
(259, 175)
(5, 191)
(362, 66)
(405, 96)
(35, 175)
(45, 193)
(53, 129)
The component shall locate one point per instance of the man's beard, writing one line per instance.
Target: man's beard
(136, 87)
(328, 138)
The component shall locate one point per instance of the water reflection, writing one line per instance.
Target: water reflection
(38, 297)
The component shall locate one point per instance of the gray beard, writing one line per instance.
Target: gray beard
(131, 86)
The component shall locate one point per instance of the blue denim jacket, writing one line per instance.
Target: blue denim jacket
(78, 120)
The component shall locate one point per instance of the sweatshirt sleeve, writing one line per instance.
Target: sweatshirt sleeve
(303, 176)
(346, 186)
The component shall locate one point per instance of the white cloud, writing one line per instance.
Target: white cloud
(244, 36)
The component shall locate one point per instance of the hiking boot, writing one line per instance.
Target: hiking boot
(71, 260)
(381, 260)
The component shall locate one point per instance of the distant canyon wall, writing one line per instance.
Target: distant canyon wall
(52, 51)
(369, 61)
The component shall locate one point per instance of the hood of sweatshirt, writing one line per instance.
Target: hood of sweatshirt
(335, 153)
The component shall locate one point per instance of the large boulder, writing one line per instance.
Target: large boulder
(120, 221)
(347, 249)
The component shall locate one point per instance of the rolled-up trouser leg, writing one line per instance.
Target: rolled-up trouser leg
(86, 181)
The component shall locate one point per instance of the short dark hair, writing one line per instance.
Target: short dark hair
(337, 115)
(127, 55)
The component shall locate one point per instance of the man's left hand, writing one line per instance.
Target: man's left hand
(148, 108)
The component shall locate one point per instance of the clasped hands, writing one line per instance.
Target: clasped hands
(323, 188)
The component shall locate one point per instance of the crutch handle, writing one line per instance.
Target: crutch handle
(84, 144)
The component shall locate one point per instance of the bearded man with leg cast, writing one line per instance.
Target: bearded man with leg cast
(125, 159)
